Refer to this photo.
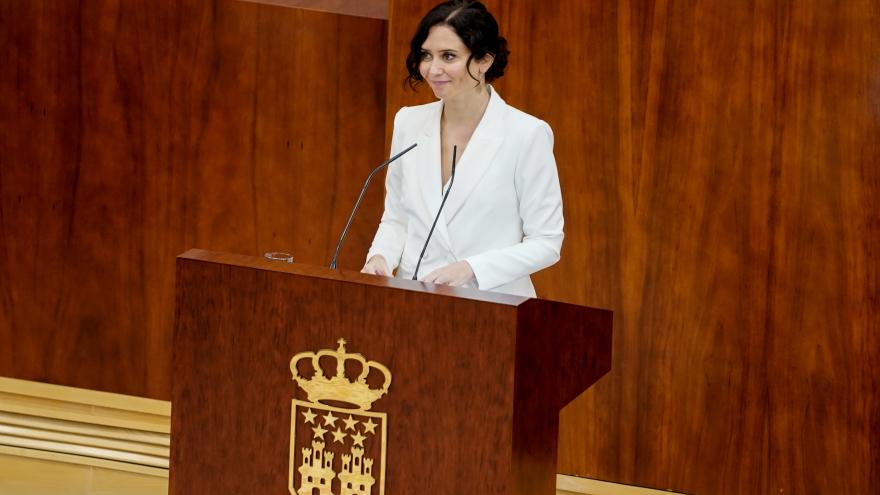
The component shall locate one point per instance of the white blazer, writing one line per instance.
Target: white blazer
(504, 212)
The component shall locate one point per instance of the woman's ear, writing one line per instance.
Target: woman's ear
(485, 63)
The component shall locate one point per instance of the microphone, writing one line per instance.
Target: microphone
(361, 197)
(446, 195)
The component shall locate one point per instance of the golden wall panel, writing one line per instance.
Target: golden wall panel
(60, 440)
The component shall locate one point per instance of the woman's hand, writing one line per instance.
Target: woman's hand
(377, 266)
(458, 273)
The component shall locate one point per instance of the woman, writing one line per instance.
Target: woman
(503, 217)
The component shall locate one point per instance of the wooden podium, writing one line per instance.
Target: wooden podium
(473, 407)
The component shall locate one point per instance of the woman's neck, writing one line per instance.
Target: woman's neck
(466, 108)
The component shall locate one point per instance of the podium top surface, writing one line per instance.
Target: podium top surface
(260, 263)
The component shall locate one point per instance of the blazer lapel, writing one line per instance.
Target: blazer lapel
(470, 168)
(478, 156)
(428, 162)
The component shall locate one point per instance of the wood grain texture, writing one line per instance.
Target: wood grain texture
(134, 130)
(471, 411)
(719, 166)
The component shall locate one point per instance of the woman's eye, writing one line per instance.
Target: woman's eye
(426, 56)
(448, 56)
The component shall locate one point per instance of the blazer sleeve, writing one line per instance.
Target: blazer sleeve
(391, 234)
(540, 209)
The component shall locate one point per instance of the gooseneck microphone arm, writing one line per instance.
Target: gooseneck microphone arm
(446, 195)
(360, 198)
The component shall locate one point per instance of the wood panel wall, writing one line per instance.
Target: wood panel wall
(134, 130)
(720, 165)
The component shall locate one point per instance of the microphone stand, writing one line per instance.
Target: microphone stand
(445, 195)
(360, 198)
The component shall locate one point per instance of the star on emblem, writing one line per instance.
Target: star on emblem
(350, 423)
(358, 439)
(310, 416)
(370, 427)
(338, 436)
(319, 431)
(330, 419)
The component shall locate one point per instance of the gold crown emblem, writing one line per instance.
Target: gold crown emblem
(339, 388)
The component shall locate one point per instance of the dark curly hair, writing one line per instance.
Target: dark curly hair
(477, 29)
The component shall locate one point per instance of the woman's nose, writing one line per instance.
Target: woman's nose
(435, 68)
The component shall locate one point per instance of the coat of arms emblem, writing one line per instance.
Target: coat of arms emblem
(337, 445)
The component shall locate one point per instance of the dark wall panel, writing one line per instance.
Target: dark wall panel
(719, 165)
(132, 131)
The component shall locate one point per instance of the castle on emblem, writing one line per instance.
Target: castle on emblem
(352, 462)
(316, 470)
(356, 475)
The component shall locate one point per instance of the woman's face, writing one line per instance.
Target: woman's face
(444, 63)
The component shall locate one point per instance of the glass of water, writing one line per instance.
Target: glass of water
(279, 256)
